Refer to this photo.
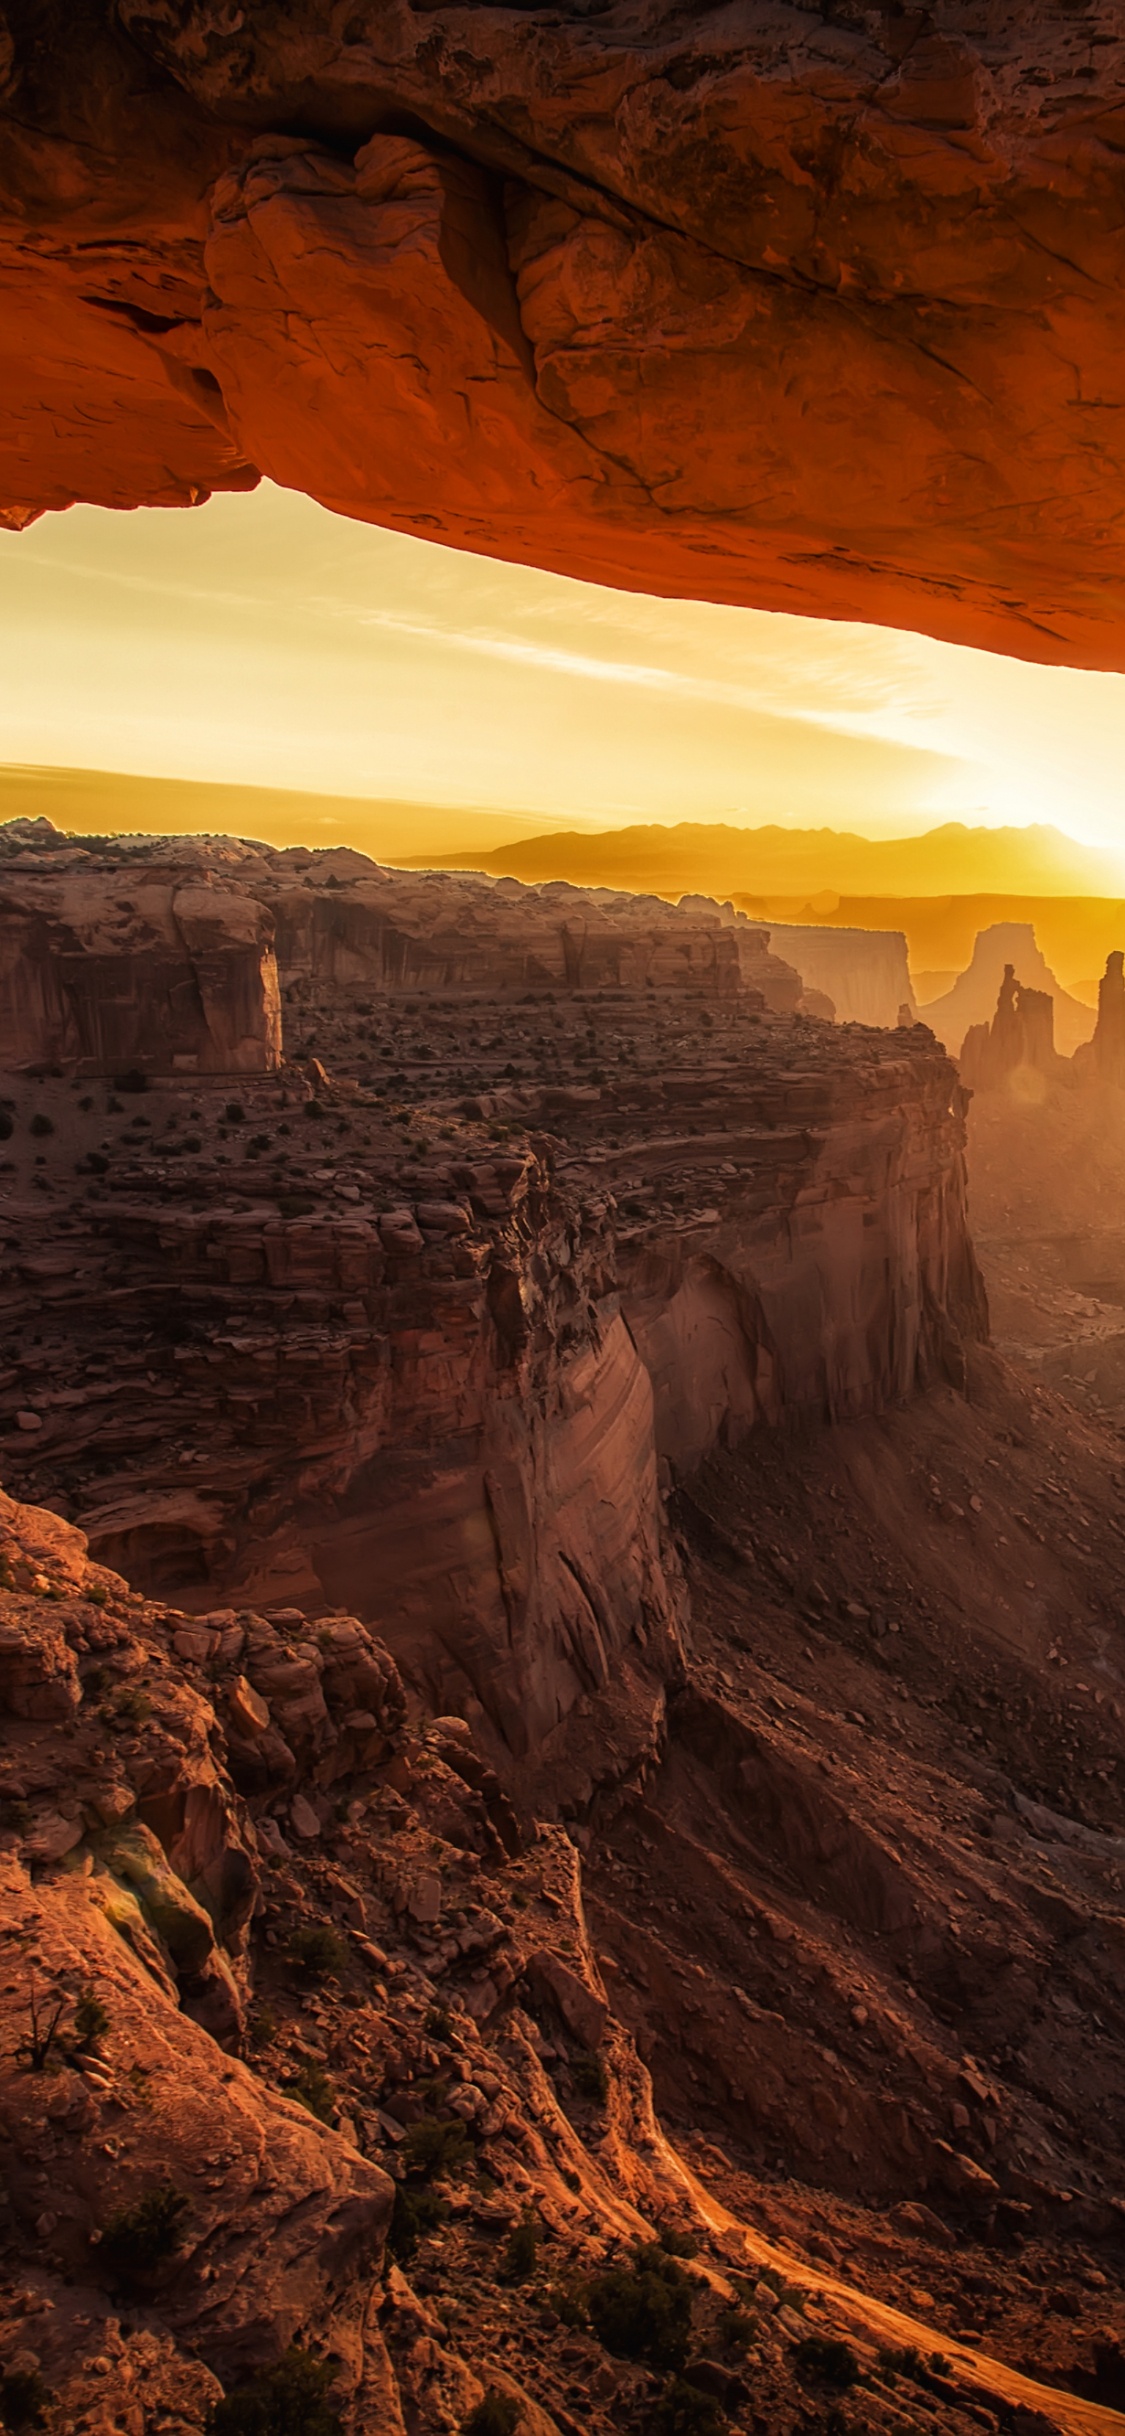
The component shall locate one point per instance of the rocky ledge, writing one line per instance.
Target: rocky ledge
(422, 1344)
(523, 244)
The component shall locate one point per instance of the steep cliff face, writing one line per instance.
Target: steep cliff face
(523, 246)
(865, 973)
(423, 1359)
(972, 1000)
(158, 970)
(440, 931)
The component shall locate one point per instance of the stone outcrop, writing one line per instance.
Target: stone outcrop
(1103, 1058)
(1020, 1040)
(865, 973)
(305, 1359)
(523, 248)
(156, 969)
(973, 997)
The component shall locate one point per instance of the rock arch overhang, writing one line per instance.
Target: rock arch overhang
(817, 307)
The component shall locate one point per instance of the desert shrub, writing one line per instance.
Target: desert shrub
(40, 1126)
(137, 2240)
(134, 1080)
(736, 2328)
(291, 2399)
(683, 2411)
(521, 2251)
(435, 2148)
(591, 2079)
(569, 2304)
(676, 2243)
(905, 2361)
(438, 2022)
(7, 1127)
(822, 2360)
(416, 2213)
(234, 1112)
(91, 2021)
(498, 2415)
(97, 1162)
(643, 2312)
(133, 1706)
(317, 1952)
(312, 2089)
(23, 2400)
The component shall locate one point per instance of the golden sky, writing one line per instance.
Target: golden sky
(263, 640)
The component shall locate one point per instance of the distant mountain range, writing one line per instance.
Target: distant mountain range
(110, 801)
(808, 865)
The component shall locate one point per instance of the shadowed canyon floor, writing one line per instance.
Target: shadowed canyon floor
(616, 1731)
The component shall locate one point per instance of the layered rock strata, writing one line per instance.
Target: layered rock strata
(166, 971)
(1020, 1040)
(522, 248)
(420, 1347)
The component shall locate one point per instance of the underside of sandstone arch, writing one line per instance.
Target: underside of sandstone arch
(815, 307)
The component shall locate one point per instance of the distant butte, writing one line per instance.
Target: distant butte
(812, 307)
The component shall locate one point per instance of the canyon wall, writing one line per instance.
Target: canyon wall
(972, 999)
(160, 970)
(521, 248)
(865, 973)
(416, 1340)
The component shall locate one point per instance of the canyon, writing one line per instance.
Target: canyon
(524, 244)
(559, 1693)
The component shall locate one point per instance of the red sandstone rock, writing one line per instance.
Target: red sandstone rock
(814, 309)
(177, 976)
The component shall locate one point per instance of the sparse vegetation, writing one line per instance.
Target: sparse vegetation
(436, 2147)
(23, 2400)
(234, 1112)
(643, 2312)
(317, 1952)
(91, 2022)
(683, 2411)
(591, 2079)
(40, 1125)
(137, 2241)
(291, 2399)
(416, 2213)
(822, 2360)
(312, 2088)
(498, 2415)
(521, 2250)
(44, 2022)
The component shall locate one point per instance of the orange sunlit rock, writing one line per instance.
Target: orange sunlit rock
(820, 316)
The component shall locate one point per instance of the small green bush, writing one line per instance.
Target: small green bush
(416, 2213)
(683, 2411)
(317, 1951)
(290, 2399)
(736, 2328)
(591, 2079)
(23, 2400)
(498, 2415)
(643, 2312)
(312, 2088)
(678, 2244)
(435, 2148)
(822, 2360)
(234, 1112)
(91, 2021)
(521, 2251)
(138, 2240)
(40, 1126)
